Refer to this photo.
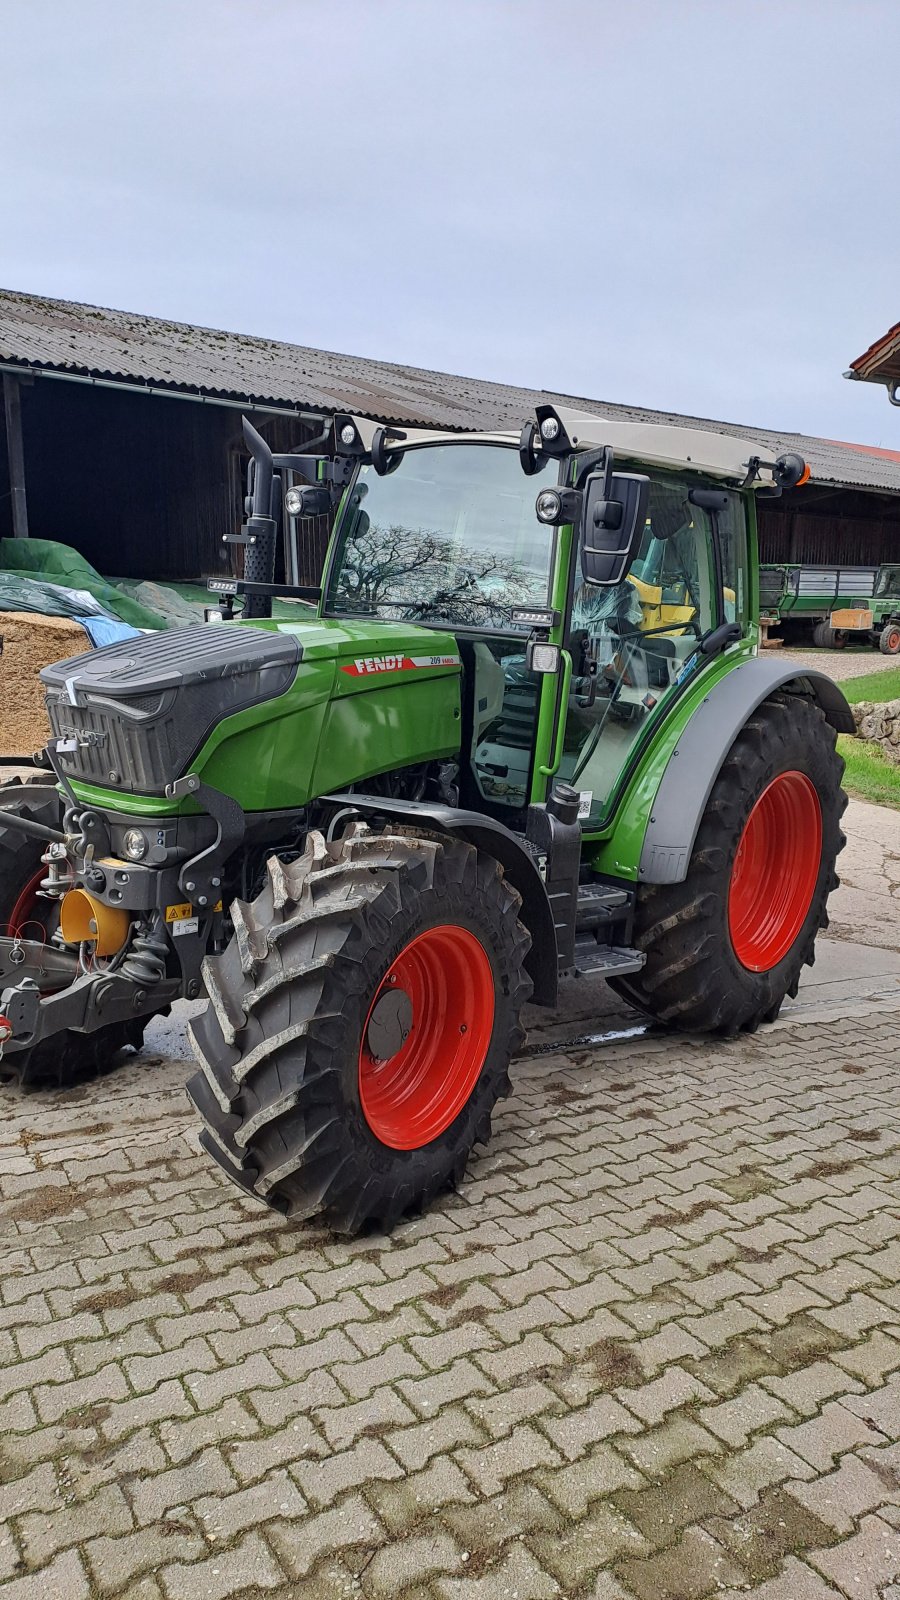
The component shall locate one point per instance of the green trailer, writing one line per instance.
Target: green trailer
(833, 604)
(526, 732)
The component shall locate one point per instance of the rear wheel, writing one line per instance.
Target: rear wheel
(360, 1026)
(67, 1057)
(725, 946)
(889, 639)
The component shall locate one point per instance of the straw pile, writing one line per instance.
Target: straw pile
(30, 641)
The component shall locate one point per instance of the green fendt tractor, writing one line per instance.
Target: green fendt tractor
(525, 732)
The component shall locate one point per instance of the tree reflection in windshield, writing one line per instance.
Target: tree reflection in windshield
(403, 574)
(450, 537)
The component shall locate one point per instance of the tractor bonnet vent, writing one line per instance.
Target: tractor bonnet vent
(140, 709)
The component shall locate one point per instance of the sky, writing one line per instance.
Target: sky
(678, 204)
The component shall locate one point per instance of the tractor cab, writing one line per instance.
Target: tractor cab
(583, 591)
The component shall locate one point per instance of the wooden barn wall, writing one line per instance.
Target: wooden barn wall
(842, 529)
(142, 485)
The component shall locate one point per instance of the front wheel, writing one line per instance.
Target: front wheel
(889, 639)
(725, 946)
(360, 1025)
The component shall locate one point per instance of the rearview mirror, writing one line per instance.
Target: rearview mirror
(615, 511)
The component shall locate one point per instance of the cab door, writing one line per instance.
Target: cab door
(633, 645)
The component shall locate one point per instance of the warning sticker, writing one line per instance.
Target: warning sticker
(185, 913)
(185, 925)
(368, 665)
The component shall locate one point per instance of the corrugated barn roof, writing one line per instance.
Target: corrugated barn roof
(90, 341)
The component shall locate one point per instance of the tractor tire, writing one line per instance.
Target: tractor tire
(360, 1026)
(725, 946)
(69, 1057)
(829, 638)
(889, 639)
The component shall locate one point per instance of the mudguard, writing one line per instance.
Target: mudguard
(695, 762)
(506, 847)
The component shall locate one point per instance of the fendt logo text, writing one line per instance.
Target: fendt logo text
(369, 664)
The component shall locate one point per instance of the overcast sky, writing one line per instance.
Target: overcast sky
(673, 203)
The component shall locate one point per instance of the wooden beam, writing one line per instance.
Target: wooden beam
(15, 450)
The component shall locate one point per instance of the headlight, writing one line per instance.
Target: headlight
(548, 506)
(135, 844)
(293, 502)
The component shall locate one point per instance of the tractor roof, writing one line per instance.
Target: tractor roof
(719, 455)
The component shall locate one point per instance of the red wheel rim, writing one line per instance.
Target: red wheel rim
(26, 907)
(893, 640)
(410, 1098)
(775, 871)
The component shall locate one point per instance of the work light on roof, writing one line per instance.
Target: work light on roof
(348, 433)
(550, 428)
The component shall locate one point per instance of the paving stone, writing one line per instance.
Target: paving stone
(253, 1458)
(300, 1545)
(662, 1510)
(402, 1504)
(419, 1559)
(860, 1483)
(43, 1534)
(835, 1430)
(64, 1578)
(206, 1473)
(737, 1419)
(693, 1568)
(116, 1565)
(761, 1465)
(678, 1439)
(518, 1573)
(674, 1389)
(796, 1581)
(222, 1516)
(247, 1568)
(863, 1564)
(368, 1462)
(573, 1488)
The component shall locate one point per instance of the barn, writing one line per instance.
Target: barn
(121, 437)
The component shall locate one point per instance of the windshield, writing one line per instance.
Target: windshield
(449, 537)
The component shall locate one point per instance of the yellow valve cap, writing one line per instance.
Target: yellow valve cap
(82, 917)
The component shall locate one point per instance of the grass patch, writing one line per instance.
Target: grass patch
(880, 686)
(868, 773)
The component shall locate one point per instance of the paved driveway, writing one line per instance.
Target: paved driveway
(652, 1349)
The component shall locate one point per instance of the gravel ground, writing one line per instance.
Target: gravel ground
(840, 664)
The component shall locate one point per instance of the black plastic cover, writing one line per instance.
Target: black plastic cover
(141, 708)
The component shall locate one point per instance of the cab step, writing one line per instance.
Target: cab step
(599, 904)
(606, 961)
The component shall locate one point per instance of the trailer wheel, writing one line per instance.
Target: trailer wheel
(889, 639)
(68, 1057)
(725, 946)
(829, 638)
(360, 1026)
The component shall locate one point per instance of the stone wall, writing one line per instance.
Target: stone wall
(880, 724)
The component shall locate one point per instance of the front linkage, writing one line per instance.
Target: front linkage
(120, 940)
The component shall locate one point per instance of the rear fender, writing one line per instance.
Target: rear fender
(506, 847)
(697, 758)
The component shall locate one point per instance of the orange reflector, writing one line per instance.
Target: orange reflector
(804, 476)
(82, 917)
